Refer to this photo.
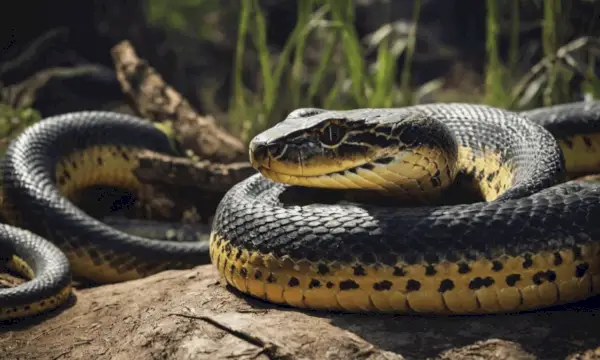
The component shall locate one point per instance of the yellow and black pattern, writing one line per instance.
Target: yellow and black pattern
(42, 264)
(505, 284)
(43, 171)
(530, 241)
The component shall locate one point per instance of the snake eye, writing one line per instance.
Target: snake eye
(332, 135)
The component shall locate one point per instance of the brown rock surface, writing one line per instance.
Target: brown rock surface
(193, 315)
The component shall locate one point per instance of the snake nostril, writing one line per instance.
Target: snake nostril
(258, 151)
(275, 149)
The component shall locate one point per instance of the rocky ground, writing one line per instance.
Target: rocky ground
(194, 315)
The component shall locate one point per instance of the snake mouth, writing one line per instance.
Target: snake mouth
(351, 178)
(304, 166)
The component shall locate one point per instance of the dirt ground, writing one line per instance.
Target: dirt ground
(193, 315)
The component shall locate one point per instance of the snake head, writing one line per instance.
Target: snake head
(345, 149)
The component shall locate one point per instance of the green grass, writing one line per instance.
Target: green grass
(324, 63)
(338, 78)
(341, 78)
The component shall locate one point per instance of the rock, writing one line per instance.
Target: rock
(193, 315)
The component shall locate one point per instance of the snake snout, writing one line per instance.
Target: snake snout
(262, 152)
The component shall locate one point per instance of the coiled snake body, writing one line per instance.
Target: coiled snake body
(528, 240)
(43, 170)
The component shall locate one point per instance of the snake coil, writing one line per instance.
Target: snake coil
(531, 239)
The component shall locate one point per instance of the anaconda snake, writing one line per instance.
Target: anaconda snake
(531, 243)
(529, 240)
(43, 171)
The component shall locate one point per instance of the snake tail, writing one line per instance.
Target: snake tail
(45, 267)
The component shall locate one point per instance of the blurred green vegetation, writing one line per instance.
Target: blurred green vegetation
(324, 63)
(339, 77)
(14, 121)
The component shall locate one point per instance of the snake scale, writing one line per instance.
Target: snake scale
(529, 239)
(43, 170)
(348, 211)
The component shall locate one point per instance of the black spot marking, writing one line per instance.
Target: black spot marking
(435, 179)
(478, 282)
(569, 143)
(322, 269)
(257, 274)
(125, 156)
(99, 160)
(577, 252)
(225, 264)
(587, 141)
(244, 272)
(413, 285)
(228, 249)
(352, 171)
(74, 164)
(430, 270)
(348, 285)
(497, 265)
(329, 285)
(61, 180)
(293, 282)
(67, 175)
(368, 166)
(95, 256)
(314, 283)
(359, 271)
(238, 255)
(271, 278)
(528, 261)
(539, 277)
(581, 269)
(480, 175)
(232, 268)
(512, 279)
(27, 307)
(398, 271)
(382, 285)
(492, 175)
(42, 303)
(558, 258)
(497, 187)
(52, 301)
(463, 268)
(384, 160)
(446, 285)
